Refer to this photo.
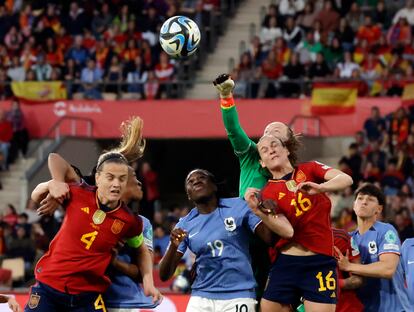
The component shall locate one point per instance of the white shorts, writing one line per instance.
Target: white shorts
(200, 304)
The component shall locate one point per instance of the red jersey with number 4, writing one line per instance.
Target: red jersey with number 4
(348, 300)
(308, 214)
(81, 251)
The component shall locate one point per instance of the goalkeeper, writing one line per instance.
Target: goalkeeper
(251, 172)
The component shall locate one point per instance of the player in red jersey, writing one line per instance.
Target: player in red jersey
(305, 266)
(348, 300)
(71, 276)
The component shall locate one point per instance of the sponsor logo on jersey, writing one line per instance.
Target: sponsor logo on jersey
(117, 226)
(281, 195)
(33, 301)
(372, 247)
(85, 210)
(230, 224)
(300, 177)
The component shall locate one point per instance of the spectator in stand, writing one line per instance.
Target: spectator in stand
(355, 17)
(319, 69)
(123, 18)
(271, 70)
(246, 73)
(371, 68)
(5, 88)
(20, 139)
(347, 66)
(90, 77)
(376, 157)
(13, 39)
(354, 162)
(164, 72)
(101, 20)
(392, 179)
(369, 31)
(293, 71)
(16, 71)
(406, 12)
(6, 134)
(400, 33)
(400, 125)
(76, 20)
(10, 215)
(22, 220)
(380, 15)
(54, 53)
(328, 18)
(42, 69)
(345, 35)
(161, 239)
(291, 7)
(138, 77)
(308, 49)
(77, 52)
(292, 33)
(6, 22)
(272, 11)
(150, 201)
(22, 245)
(374, 125)
(269, 34)
(114, 75)
(404, 227)
(333, 52)
(307, 19)
(152, 86)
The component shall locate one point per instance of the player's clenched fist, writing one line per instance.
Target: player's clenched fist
(177, 236)
(224, 85)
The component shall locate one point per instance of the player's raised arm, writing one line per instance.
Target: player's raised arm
(335, 180)
(238, 138)
(172, 257)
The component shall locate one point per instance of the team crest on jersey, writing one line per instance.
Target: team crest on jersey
(372, 247)
(117, 226)
(300, 177)
(230, 224)
(33, 301)
(291, 185)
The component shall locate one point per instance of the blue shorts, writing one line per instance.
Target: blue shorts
(310, 277)
(47, 299)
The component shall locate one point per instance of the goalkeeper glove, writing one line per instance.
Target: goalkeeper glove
(224, 85)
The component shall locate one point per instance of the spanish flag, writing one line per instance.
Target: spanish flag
(408, 95)
(39, 91)
(333, 98)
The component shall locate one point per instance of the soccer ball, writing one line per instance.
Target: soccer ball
(179, 36)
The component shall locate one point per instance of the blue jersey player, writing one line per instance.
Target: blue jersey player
(379, 248)
(125, 292)
(217, 232)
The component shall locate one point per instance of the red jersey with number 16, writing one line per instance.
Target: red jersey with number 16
(81, 251)
(308, 214)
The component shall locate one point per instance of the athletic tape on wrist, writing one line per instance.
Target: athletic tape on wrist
(227, 102)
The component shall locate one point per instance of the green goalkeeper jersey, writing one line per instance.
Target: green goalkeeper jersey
(251, 173)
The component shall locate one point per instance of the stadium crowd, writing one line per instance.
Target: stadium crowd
(86, 43)
(369, 42)
(101, 47)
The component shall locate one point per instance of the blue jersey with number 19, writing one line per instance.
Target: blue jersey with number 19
(220, 241)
